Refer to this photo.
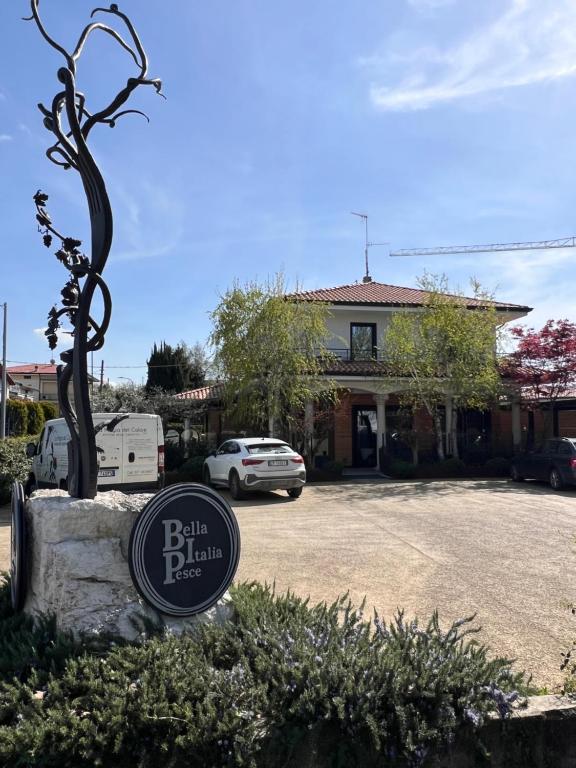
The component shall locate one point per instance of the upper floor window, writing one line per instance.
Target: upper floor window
(362, 341)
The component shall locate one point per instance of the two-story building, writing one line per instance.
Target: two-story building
(368, 414)
(14, 390)
(39, 381)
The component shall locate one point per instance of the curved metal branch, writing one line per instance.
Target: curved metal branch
(36, 17)
(112, 120)
(52, 122)
(136, 40)
(115, 104)
(57, 150)
(105, 28)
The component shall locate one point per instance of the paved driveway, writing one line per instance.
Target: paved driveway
(500, 550)
(503, 551)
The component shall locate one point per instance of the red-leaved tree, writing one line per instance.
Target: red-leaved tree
(543, 365)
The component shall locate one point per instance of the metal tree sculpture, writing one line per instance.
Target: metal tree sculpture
(71, 151)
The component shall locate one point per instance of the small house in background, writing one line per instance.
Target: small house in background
(15, 390)
(39, 380)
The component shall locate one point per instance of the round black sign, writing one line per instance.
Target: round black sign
(184, 549)
(18, 547)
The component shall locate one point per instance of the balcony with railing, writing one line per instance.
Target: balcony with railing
(345, 361)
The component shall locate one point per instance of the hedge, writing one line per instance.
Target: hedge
(36, 417)
(263, 691)
(17, 415)
(14, 465)
(50, 410)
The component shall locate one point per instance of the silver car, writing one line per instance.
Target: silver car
(255, 464)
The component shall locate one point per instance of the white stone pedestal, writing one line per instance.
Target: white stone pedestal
(78, 565)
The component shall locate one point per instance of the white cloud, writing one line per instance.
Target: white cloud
(150, 223)
(533, 41)
(5, 137)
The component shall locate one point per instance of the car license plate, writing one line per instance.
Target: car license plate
(106, 472)
(278, 463)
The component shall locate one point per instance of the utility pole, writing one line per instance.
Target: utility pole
(4, 377)
(101, 375)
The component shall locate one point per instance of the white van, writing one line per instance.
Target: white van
(130, 448)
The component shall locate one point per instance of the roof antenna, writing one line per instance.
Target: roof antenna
(367, 245)
(366, 278)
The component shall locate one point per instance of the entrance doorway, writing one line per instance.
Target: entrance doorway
(364, 436)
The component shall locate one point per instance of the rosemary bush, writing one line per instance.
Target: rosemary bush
(285, 685)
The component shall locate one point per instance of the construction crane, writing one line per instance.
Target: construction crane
(564, 242)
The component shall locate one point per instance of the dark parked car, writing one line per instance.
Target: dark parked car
(554, 462)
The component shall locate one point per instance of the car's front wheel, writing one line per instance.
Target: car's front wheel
(294, 493)
(234, 484)
(556, 480)
(206, 479)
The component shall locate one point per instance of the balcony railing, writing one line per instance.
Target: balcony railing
(357, 356)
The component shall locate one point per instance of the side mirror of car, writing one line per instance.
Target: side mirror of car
(30, 450)
(212, 453)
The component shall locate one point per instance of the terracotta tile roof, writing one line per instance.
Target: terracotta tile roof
(338, 367)
(383, 294)
(9, 379)
(211, 392)
(40, 368)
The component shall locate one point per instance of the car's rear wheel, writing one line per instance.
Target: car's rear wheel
(206, 479)
(294, 493)
(516, 476)
(234, 484)
(556, 480)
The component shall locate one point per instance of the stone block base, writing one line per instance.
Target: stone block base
(78, 565)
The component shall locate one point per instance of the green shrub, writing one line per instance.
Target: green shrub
(402, 470)
(193, 467)
(447, 468)
(175, 456)
(35, 417)
(14, 465)
(497, 467)
(256, 693)
(17, 416)
(334, 468)
(189, 472)
(476, 455)
(49, 409)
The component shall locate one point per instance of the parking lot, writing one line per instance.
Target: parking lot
(501, 550)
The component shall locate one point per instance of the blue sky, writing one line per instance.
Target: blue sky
(447, 121)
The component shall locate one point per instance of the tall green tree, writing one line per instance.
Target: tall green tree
(269, 351)
(176, 369)
(446, 353)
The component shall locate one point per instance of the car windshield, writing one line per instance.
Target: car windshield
(269, 448)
